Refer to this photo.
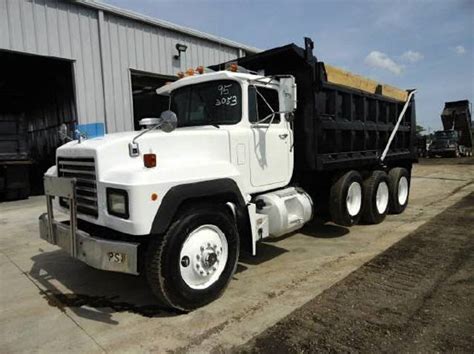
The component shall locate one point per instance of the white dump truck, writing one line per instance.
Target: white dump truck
(242, 155)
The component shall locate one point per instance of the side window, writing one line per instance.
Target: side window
(258, 108)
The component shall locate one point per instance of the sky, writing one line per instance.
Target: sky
(422, 44)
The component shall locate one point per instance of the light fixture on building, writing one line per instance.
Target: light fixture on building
(181, 48)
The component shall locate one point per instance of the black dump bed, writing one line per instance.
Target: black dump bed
(457, 116)
(336, 126)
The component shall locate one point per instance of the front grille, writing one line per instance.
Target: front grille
(83, 170)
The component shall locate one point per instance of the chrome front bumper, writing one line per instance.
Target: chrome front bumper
(116, 256)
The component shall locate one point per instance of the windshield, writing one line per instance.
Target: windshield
(213, 102)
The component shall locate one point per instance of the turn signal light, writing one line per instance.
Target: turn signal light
(149, 160)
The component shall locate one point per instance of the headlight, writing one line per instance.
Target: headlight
(117, 202)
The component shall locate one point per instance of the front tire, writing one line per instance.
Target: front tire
(376, 197)
(345, 201)
(399, 185)
(192, 264)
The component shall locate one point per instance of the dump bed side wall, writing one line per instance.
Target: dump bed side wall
(354, 127)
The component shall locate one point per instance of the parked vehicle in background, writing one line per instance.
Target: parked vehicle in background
(456, 138)
(422, 145)
(252, 150)
(14, 158)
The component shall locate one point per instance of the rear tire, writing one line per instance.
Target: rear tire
(399, 185)
(192, 264)
(376, 197)
(345, 201)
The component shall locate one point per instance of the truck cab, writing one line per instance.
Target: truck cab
(445, 143)
(230, 140)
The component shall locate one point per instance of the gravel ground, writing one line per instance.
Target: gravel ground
(417, 296)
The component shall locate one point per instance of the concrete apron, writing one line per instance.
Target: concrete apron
(51, 303)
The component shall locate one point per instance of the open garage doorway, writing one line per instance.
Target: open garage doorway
(36, 97)
(146, 102)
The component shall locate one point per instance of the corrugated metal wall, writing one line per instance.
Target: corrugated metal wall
(130, 44)
(95, 40)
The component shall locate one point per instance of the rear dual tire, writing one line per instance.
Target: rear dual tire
(345, 199)
(399, 186)
(376, 197)
(370, 200)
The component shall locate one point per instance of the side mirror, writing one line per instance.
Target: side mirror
(62, 132)
(149, 122)
(169, 121)
(290, 117)
(288, 94)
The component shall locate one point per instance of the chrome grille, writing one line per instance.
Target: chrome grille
(83, 170)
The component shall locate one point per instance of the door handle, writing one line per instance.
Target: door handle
(283, 136)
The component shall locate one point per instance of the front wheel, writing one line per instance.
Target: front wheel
(192, 264)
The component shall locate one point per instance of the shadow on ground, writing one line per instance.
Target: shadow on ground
(97, 295)
(92, 293)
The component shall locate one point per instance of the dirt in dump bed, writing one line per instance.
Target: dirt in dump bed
(418, 296)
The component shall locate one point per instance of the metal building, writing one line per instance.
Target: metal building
(81, 61)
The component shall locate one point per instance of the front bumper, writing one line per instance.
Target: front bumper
(116, 256)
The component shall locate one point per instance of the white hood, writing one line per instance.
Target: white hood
(184, 146)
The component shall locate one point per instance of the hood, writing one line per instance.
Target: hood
(188, 145)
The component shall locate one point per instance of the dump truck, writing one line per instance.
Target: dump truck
(249, 150)
(456, 138)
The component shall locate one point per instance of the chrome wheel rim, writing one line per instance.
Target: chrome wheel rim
(402, 190)
(354, 199)
(381, 197)
(203, 257)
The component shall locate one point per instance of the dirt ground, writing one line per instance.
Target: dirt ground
(51, 303)
(418, 296)
(447, 161)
